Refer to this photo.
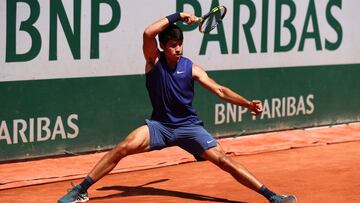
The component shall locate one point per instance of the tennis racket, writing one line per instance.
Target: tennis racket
(210, 20)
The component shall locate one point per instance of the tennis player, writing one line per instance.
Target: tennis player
(170, 83)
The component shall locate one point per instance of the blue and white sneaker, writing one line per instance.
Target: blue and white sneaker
(283, 199)
(74, 195)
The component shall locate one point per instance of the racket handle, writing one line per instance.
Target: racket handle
(197, 20)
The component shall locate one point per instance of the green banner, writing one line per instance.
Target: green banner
(51, 117)
(292, 98)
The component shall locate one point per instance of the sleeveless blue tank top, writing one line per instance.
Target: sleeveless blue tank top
(171, 92)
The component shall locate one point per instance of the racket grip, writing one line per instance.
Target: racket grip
(197, 20)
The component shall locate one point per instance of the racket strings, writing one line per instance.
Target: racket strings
(212, 20)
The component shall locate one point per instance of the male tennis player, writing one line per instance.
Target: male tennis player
(174, 122)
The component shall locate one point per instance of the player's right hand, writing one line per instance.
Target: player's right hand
(188, 18)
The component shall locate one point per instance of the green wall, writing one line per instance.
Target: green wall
(87, 114)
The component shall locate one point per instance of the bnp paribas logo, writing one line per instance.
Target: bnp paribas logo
(273, 108)
(49, 19)
(266, 26)
(39, 129)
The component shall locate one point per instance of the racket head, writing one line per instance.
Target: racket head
(210, 20)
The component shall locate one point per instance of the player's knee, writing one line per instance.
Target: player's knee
(121, 150)
(224, 162)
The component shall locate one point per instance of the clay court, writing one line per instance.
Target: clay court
(318, 165)
(77, 76)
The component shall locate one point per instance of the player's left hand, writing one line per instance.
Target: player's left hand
(255, 107)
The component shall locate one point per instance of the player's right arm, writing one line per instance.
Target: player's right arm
(150, 48)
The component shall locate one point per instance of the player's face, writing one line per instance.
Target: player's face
(173, 50)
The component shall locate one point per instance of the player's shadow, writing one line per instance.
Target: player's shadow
(146, 190)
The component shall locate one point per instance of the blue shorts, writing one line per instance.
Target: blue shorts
(192, 138)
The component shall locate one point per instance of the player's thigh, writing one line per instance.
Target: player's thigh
(136, 142)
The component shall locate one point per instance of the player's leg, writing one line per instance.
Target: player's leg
(136, 142)
(198, 141)
(217, 156)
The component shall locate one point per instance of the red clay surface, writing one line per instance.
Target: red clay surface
(319, 165)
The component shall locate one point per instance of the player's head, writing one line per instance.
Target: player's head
(171, 41)
(171, 32)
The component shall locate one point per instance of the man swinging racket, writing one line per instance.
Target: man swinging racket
(174, 122)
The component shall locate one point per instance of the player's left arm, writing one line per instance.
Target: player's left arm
(223, 92)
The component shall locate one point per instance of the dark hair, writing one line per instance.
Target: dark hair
(171, 32)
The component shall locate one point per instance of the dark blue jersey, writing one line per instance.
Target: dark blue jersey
(171, 92)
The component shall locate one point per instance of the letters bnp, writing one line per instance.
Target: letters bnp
(55, 12)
